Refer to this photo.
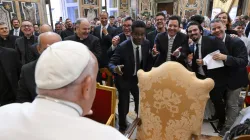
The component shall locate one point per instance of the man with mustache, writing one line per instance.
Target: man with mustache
(236, 61)
(16, 31)
(171, 45)
(160, 19)
(69, 29)
(130, 56)
(6, 39)
(204, 45)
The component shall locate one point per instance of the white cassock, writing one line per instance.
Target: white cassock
(91, 14)
(47, 120)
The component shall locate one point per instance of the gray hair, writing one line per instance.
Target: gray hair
(80, 20)
(206, 21)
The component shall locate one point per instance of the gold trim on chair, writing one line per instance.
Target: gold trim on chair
(111, 120)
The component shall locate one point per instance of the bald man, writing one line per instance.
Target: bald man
(66, 93)
(43, 29)
(27, 88)
(83, 36)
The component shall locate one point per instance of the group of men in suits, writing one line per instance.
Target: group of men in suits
(228, 79)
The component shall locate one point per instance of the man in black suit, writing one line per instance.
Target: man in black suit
(9, 75)
(27, 87)
(83, 36)
(204, 45)
(105, 33)
(23, 44)
(112, 21)
(125, 35)
(130, 56)
(247, 29)
(160, 20)
(6, 40)
(236, 61)
(171, 45)
(69, 29)
(16, 31)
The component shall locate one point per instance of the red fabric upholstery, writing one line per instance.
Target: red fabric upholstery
(102, 106)
(247, 98)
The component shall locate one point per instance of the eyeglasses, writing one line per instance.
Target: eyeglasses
(24, 26)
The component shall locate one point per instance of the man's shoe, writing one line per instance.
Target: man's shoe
(223, 131)
(220, 126)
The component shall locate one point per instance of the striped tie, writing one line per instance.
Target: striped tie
(170, 44)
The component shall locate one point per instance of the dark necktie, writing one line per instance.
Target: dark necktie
(137, 59)
(196, 53)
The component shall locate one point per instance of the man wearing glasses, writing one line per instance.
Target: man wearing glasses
(23, 44)
(126, 34)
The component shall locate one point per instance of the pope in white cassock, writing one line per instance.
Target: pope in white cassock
(66, 90)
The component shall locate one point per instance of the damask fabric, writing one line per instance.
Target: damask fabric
(172, 103)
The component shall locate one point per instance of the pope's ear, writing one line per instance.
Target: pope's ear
(86, 85)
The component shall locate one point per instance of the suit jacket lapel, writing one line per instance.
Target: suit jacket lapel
(174, 47)
(202, 47)
(144, 55)
(131, 54)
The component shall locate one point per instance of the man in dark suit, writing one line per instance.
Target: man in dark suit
(83, 36)
(247, 29)
(160, 20)
(125, 35)
(23, 44)
(130, 56)
(27, 87)
(171, 45)
(69, 29)
(6, 40)
(9, 75)
(204, 45)
(236, 61)
(105, 33)
(112, 21)
(16, 31)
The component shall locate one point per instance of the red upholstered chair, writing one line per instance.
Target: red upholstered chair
(104, 105)
(247, 98)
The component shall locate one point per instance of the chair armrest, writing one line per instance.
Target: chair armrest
(110, 119)
(132, 127)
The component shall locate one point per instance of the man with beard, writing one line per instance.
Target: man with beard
(58, 28)
(105, 33)
(236, 61)
(125, 35)
(83, 36)
(69, 29)
(171, 45)
(16, 31)
(204, 45)
(23, 44)
(126, 69)
(6, 40)
(112, 21)
(160, 28)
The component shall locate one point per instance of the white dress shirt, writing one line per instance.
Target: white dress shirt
(47, 120)
(16, 32)
(140, 55)
(102, 28)
(200, 69)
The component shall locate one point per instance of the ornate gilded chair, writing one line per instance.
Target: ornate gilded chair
(172, 103)
(104, 105)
